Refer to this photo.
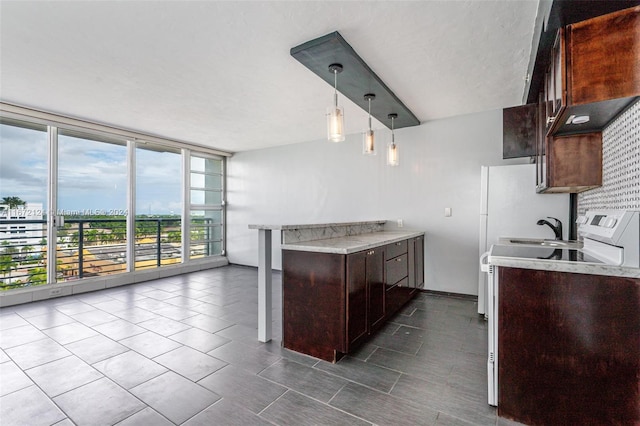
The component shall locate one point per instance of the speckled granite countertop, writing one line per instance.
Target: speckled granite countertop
(352, 243)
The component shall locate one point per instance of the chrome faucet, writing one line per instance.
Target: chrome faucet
(557, 228)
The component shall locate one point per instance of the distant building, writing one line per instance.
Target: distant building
(17, 227)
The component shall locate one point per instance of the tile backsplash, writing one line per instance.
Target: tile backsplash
(620, 166)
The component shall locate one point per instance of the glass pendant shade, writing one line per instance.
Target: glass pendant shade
(335, 114)
(368, 143)
(392, 155)
(335, 124)
(368, 137)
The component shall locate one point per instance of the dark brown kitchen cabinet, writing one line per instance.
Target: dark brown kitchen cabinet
(594, 71)
(568, 348)
(331, 303)
(396, 279)
(416, 262)
(571, 163)
(519, 131)
(365, 294)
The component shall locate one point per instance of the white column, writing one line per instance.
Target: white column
(264, 285)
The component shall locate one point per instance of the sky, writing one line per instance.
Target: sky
(92, 175)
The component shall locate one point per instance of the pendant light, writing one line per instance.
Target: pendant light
(368, 139)
(335, 115)
(392, 150)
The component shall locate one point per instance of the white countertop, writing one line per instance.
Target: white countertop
(576, 267)
(315, 225)
(352, 243)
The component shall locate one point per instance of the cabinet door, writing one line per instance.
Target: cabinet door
(519, 131)
(356, 298)
(419, 262)
(375, 284)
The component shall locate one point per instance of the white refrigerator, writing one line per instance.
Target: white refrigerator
(510, 207)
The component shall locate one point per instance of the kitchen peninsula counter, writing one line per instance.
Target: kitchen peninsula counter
(342, 239)
(352, 243)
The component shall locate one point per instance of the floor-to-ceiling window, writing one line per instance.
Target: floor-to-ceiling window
(83, 202)
(158, 206)
(92, 198)
(206, 210)
(23, 204)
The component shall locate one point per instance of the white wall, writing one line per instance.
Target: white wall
(318, 182)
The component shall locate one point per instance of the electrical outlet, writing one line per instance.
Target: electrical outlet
(55, 292)
(400, 223)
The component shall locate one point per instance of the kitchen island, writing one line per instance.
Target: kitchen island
(341, 281)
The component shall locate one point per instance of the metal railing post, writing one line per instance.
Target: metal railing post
(80, 249)
(159, 248)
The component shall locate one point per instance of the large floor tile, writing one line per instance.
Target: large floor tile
(129, 369)
(96, 348)
(119, 329)
(199, 339)
(146, 417)
(11, 320)
(29, 406)
(93, 318)
(12, 379)
(381, 408)
(365, 373)
(207, 323)
(296, 409)
(63, 375)
(37, 353)
(253, 360)
(190, 363)
(51, 319)
(226, 412)
(303, 379)
(248, 390)
(164, 326)
(69, 333)
(16, 336)
(101, 402)
(136, 315)
(175, 397)
(150, 344)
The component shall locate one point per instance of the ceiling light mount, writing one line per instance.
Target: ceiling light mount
(356, 77)
(335, 68)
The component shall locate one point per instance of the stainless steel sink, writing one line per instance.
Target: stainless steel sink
(545, 243)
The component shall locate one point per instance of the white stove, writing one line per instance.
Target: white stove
(612, 236)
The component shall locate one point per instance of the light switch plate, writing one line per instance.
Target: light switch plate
(447, 211)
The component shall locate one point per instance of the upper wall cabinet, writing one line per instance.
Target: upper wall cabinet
(594, 72)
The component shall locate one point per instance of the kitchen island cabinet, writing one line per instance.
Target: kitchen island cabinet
(568, 347)
(332, 301)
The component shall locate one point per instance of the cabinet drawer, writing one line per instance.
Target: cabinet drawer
(395, 249)
(396, 269)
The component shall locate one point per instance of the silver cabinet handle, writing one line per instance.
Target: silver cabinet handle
(399, 259)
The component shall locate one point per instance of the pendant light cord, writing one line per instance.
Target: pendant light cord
(369, 114)
(393, 138)
(335, 88)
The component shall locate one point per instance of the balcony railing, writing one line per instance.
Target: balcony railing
(95, 247)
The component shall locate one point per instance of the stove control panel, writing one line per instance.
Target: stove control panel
(605, 225)
(619, 228)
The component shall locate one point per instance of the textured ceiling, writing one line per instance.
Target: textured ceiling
(220, 74)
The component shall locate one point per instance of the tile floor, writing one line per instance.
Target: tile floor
(184, 350)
